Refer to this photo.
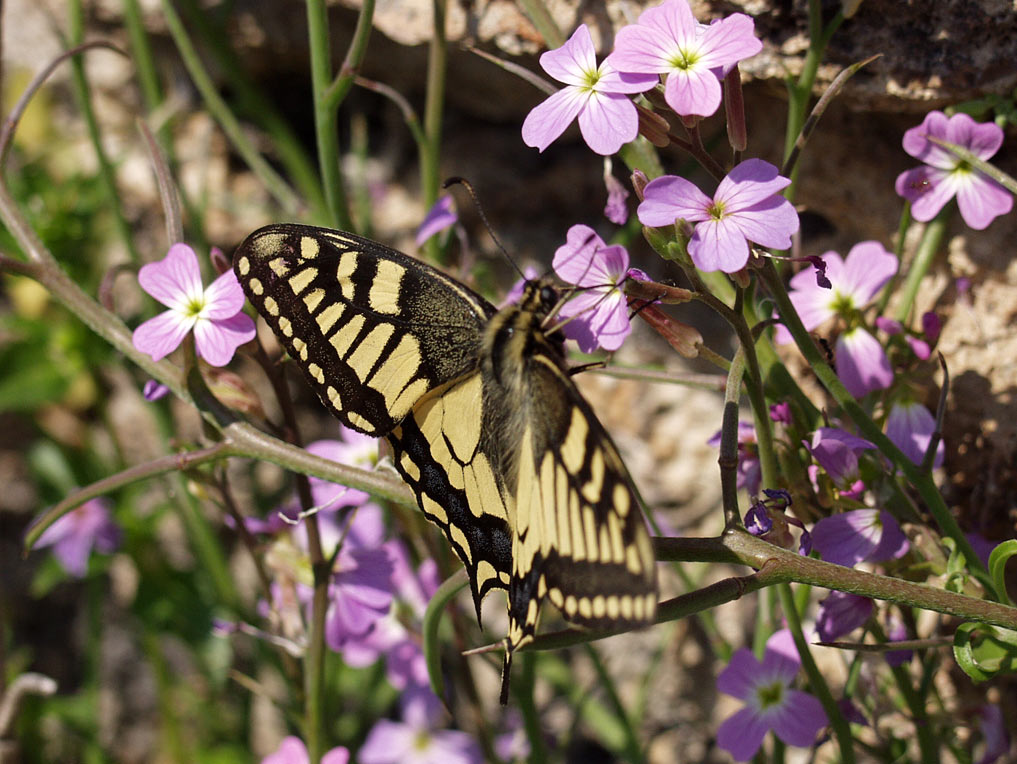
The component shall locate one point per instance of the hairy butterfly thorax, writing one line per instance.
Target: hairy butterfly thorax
(486, 425)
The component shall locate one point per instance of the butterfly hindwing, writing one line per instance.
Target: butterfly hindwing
(441, 452)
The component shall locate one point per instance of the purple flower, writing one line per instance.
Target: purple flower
(859, 535)
(360, 594)
(442, 215)
(598, 313)
(910, 426)
(837, 453)
(75, 534)
(770, 703)
(841, 613)
(214, 313)
(293, 751)
(668, 40)
(597, 95)
(945, 175)
(747, 207)
(854, 282)
(417, 739)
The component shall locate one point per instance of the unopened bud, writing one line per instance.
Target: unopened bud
(683, 338)
(653, 127)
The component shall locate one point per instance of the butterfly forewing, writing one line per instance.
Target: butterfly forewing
(372, 329)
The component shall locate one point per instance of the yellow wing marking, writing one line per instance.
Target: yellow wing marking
(309, 247)
(343, 339)
(347, 267)
(302, 279)
(368, 351)
(313, 299)
(384, 294)
(329, 316)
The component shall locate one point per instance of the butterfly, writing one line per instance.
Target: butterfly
(486, 426)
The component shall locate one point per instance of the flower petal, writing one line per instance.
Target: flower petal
(161, 335)
(848, 538)
(549, 119)
(910, 426)
(608, 122)
(217, 341)
(718, 245)
(740, 676)
(799, 719)
(224, 298)
(575, 261)
(669, 198)
(728, 40)
(175, 280)
(749, 183)
(769, 223)
(862, 364)
(742, 734)
(982, 200)
(692, 92)
(867, 269)
(573, 62)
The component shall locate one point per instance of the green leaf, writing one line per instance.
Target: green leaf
(997, 567)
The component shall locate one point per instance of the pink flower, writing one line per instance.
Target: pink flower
(74, 535)
(854, 282)
(747, 206)
(292, 750)
(945, 175)
(596, 95)
(598, 312)
(910, 426)
(214, 313)
(668, 40)
(418, 739)
(615, 210)
(770, 703)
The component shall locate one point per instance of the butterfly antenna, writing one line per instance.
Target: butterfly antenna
(455, 180)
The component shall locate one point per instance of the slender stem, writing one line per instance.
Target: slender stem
(434, 105)
(326, 120)
(928, 247)
(728, 458)
(347, 74)
(841, 728)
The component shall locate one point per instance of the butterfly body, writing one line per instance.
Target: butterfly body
(486, 425)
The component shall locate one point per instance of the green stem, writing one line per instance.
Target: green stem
(326, 118)
(430, 155)
(728, 458)
(841, 728)
(800, 92)
(928, 247)
(76, 29)
(922, 481)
